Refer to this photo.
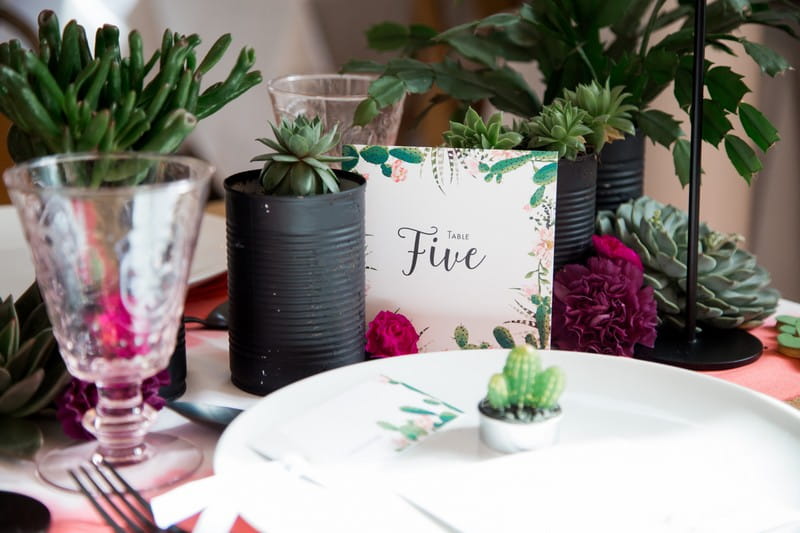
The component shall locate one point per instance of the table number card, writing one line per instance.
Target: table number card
(460, 241)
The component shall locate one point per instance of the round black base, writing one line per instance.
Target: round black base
(713, 349)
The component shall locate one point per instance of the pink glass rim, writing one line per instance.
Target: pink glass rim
(16, 177)
(278, 85)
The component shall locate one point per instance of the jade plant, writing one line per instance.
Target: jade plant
(299, 164)
(644, 45)
(473, 132)
(66, 97)
(523, 391)
(32, 372)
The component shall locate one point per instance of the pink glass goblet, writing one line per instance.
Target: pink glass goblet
(112, 238)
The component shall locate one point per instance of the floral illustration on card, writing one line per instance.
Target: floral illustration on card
(463, 221)
(418, 421)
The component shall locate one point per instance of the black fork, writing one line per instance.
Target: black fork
(125, 510)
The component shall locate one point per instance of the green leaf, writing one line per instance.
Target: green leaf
(359, 65)
(365, 112)
(19, 438)
(742, 157)
(683, 86)
(715, 124)
(546, 174)
(460, 83)
(416, 411)
(474, 48)
(725, 87)
(680, 158)
(386, 170)
(20, 392)
(387, 90)
(387, 36)
(417, 80)
(5, 379)
(659, 126)
(537, 196)
(349, 151)
(375, 154)
(499, 19)
(386, 425)
(414, 156)
(757, 126)
(768, 59)
(738, 5)
(9, 338)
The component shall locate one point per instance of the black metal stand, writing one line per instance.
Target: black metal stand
(710, 349)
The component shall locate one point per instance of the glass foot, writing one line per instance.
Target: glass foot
(170, 460)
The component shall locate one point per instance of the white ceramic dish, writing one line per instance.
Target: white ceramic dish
(607, 399)
(16, 268)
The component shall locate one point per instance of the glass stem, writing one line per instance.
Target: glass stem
(120, 422)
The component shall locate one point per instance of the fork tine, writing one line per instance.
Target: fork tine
(133, 492)
(146, 521)
(106, 496)
(99, 508)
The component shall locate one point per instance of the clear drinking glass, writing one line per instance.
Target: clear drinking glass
(112, 238)
(334, 98)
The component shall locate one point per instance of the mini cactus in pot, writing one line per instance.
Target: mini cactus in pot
(296, 260)
(521, 409)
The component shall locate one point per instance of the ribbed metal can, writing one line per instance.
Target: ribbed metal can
(176, 369)
(575, 209)
(620, 172)
(296, 273)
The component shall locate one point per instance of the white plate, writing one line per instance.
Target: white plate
(607, 399)
(16, 268)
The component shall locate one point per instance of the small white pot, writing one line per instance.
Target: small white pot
(510, 436)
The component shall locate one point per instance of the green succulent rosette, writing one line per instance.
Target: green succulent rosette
(733, 290)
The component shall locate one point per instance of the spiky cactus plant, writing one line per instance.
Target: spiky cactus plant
(474, 133)
(608, 116)
(300, 164)
(523, 391)
(32, 372)
(65, 98)
(560, 127)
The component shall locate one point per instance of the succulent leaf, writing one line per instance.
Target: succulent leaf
(732, 289)
(299, 164)
(19, 438)
(34, 374)
(474, 133)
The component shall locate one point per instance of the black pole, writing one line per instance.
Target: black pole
(695, 167)
(712, 349)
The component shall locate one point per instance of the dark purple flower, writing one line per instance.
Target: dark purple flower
(79, 397)
(603, 308)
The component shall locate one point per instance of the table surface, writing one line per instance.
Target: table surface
(209, 381)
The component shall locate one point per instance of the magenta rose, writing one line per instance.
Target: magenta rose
(612, 248)
(79, 396)
(603, 308)
(391, 334)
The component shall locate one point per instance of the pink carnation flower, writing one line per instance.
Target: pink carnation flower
(391, 334)
(612, 248)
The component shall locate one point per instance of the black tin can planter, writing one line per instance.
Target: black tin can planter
(620, 172)
(176, 369)
(575, 209)
(296, 273)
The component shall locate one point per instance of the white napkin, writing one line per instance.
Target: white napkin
(279, 497)
(663, 484)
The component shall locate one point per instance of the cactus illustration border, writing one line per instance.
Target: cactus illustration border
(531, 306)
(423, 420)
